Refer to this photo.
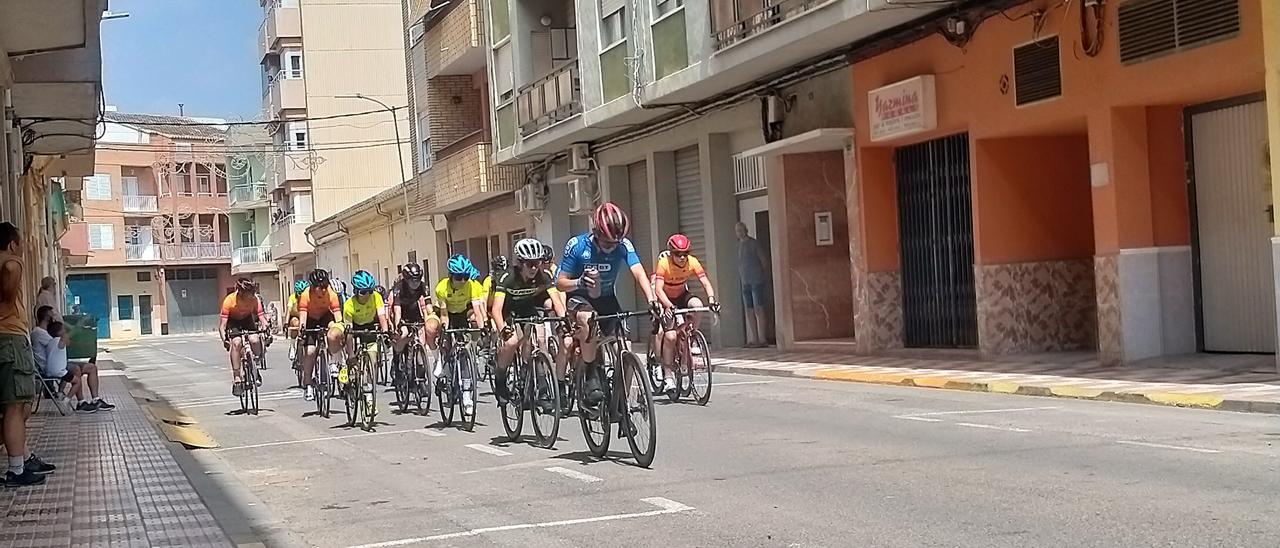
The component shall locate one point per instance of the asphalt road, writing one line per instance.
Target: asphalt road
(770, 462)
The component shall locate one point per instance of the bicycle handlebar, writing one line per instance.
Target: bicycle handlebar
(691, 309)
(624, 315)
(233, 333)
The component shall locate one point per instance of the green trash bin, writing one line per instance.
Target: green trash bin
(83, 329)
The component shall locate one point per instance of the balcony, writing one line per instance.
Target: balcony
(283, 21)
(452, 43)
(246, 197)
(469, 176)
(195, 251)
(551, 99)
(289, 238)
(252, 259)
(288, 166)
(140, 204)
(749, 24)
(141, 252)
(287, 92)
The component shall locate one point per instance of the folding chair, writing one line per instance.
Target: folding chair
(50, 388)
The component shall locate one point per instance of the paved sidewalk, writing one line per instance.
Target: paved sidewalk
(1183, 383)
(117, 484)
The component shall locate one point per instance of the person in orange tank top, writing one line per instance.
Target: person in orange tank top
(17, 364)
(670, 279)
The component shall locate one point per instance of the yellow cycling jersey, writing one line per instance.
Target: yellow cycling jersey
(487, 286)
(362, 314)
(293, 305)
(458, 297)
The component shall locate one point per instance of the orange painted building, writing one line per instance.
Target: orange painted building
(1085, 182)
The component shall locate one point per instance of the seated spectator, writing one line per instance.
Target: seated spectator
(49, 342)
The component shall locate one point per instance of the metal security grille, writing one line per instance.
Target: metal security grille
(689, 196)
(1151, 28)
(1037, 73)
(638, 187)
(935, 224)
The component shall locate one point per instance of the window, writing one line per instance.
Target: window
(144, 275)
(415, 32)
(613, 23)
(124, 303)
(663, 7)
(424, 142)
(296, 138)
(97, 187)
(292, 64)
(102, 237)
(499, 20)
(130, 186)
(203, 186)
(503, 72)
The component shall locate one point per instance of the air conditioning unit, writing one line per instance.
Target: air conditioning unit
(579, 158)
(530, 199)
(579, 197)
(521, 194)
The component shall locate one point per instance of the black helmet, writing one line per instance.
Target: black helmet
(412, 271)
(245, 285)
(548, 253)
(498, 264)
(318, 278)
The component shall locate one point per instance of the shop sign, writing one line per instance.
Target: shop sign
(903, 108)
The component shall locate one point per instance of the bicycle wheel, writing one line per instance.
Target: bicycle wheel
(403, 383)
(246, 380)
(351, 395)
(252, 378)
(654, 367)
(465, 375)
(513, 411)
(368, 392)
(678, 377)
(421, 390)
(323, 383)
(546, 407)
(699, 369)
(595, 424)
(445, 393)
(638, 421)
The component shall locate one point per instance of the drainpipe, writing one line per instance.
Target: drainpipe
(391, 229)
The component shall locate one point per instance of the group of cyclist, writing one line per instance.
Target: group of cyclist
(570, 293)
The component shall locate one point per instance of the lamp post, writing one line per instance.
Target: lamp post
(395, 125)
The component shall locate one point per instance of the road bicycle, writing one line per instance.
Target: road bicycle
(458, 377)
(321, 380)
(385, 359)
(250, 375)
(628, 398)
(692, 360)
(531, 383)
(359, 386)
(408, 377)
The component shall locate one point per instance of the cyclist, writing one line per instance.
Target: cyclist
(321, 309)
(588, 272)
(520, 293)
(241, 311)
(496, 268)
(409, 305)
(675, 266)
(364, 311)
(460, 299)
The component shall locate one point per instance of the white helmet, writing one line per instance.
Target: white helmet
(528, 249)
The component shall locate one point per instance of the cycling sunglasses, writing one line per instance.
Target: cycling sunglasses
(363, 292)
(681, 255)
(459, 277)
(532, 264)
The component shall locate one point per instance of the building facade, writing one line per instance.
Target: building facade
(154, 227)
(249, 209)
(334, 92)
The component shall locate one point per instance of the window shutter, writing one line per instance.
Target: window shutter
(503, 73)
(610, 6)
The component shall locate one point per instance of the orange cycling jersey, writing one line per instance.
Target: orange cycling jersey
(237, 308)
(317, 309)
(673, 276)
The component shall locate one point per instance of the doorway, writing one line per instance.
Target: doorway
(1234, 220)
(144, 314)
(90, 294)
(935, 225)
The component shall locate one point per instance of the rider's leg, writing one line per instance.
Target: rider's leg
(430, 338)
(669, 337)
(237, 346)
(335, 340)
(255, 342)
(693, 318)
(309, 354)
(506, 353)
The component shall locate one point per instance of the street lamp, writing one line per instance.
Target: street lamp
(395, 124)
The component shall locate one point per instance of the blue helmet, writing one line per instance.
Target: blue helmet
(363, 281)
(461, 266)
(300, 286)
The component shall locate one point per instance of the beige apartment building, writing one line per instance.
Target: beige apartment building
(154, 228)
(324, 64)
(458, 200)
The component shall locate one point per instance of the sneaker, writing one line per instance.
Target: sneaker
(438, 369)
(37, 466)
(293, 353)
(86, 407)
(26, 478)
(695, 350)
(468, 406)
(237, 389)
(594, 391)
(309, 394)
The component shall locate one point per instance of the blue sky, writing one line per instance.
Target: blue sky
(203, 53)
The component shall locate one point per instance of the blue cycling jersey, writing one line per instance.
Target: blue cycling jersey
(581, 252)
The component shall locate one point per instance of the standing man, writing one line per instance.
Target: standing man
(48, 297)
(753, 268)
(17, 364)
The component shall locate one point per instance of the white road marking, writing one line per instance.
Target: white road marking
(312, 440)
(433, 433)
(720, 384)
(486, 449)
(1163, 446)
(513, 466)
(208, 402)
(992, 427)
(189, 358)
(588, 478)
(980, 411)
(665, 506)
(921, 419)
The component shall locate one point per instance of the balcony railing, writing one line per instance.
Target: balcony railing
(749, 174)
(293, 219)
(196, 250)
(774, 12)
(141, 204)
(469, 176)
(141, 252)
(245, 194)
(246, 256)
(551, 99)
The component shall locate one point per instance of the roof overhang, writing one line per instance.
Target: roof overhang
(818, 140)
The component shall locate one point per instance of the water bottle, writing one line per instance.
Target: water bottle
(594, 274)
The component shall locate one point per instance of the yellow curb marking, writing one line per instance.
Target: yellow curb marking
(1003, 387)
(858, 376)
(1074, 392)
(188, 436)
(165, 414)
(1185, 400)
(932, 382)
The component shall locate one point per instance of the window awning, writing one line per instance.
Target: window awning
(818, 140)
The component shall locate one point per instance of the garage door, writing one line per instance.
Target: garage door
(638, 187)
(689, 195)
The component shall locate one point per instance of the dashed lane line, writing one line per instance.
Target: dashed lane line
(486, 449)
(1164, 446)
(574, 474)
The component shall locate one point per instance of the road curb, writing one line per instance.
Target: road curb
(1165, 398)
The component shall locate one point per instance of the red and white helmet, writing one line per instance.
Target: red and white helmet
(679, 243)
(610, 222)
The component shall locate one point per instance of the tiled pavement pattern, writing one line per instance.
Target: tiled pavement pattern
(1246, 382)
(116, 485)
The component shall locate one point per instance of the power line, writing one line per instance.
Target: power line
(350, 145)
(193, 123)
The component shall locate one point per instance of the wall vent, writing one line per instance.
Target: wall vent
(1037, 71)
(1153, 28)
